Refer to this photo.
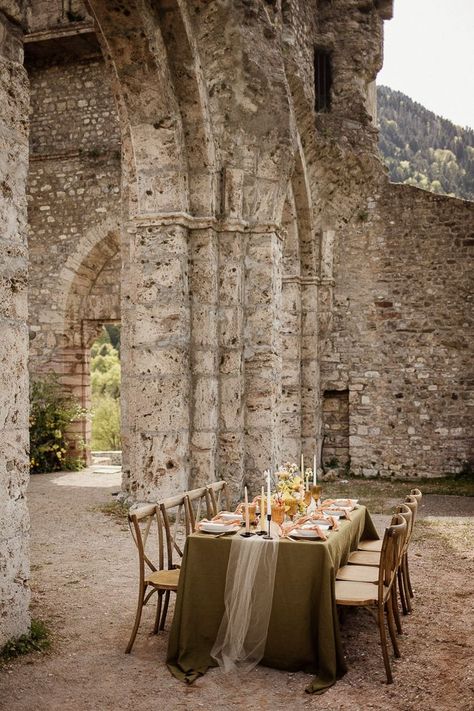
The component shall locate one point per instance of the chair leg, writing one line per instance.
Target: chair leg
(406, 584)
(158, 611)
(396, 613)
(165, 610)
(138, 616)
(391, 627)
(383, 642)
(410, 589)
(401, 589)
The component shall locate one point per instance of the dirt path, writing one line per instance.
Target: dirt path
(84, 587)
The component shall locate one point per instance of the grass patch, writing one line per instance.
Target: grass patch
(455, 534)
(115, 509)
(379, 495)
(36, 640)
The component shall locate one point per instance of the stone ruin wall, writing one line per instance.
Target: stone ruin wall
(403, 333)
(73, 212)
(270, 274)
(14, 529)
(345, 180)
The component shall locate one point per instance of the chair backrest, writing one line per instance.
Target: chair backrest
(219, 495)
(417, 494)
(412, 504)
(198, 505)
(392, 546)
(174, 526)
(407, 514)
(143, 524)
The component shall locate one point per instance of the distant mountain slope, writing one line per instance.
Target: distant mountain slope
(423, 149)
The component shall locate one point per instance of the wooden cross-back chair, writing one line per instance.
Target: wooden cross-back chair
(412, 501)
(379, 595)
(157, 530)
(369, 573)
(407, 513)
(199, 506)
(219, 495)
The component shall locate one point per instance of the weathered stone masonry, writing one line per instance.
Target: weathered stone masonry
(73, 209)
(14, 528)
(269, 280)
(222, 382)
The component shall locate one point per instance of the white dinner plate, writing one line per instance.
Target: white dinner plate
(216, 527)
(324, 526)
(231, 517)
(305, 533)
(343, 503)
(335, 514)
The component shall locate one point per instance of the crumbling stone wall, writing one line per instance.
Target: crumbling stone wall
(403, 333)
(74, 212)
(244, 287)
(14, 529)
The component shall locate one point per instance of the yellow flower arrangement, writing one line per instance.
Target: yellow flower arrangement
(290, 489)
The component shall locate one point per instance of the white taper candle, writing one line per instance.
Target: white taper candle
(247, 518)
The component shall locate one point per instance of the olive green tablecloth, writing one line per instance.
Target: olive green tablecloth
(303, 632)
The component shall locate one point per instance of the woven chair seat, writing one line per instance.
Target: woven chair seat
(164, 579)
(359, 573)
(356, 593)
(374, 546)
(364, 558)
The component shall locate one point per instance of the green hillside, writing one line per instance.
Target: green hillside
(423, 149)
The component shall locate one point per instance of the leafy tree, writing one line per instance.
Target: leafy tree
(423, 149)
(105, 423)
(105, 383)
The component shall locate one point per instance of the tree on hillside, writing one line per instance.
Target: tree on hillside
(422, 149)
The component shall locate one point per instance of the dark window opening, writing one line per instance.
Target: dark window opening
(322, 79)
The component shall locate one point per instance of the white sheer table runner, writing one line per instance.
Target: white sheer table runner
(250, 580)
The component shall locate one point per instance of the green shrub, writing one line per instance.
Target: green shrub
(37, 639)
(51, 412)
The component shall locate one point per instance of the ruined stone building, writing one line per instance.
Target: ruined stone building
(206, 173)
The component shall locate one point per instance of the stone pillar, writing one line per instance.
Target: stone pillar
(291, 412)
(203, 281)
(310, 394)
(231, 361)
(155, 359)
(262, 336)
(14, 529)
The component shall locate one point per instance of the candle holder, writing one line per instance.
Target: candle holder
(268, 534)
(247, 534)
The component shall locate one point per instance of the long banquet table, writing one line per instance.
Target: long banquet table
(303, 633)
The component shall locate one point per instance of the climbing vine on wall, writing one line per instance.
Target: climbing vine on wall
(52, 410)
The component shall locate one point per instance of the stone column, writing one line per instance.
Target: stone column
(231, 360)
(155, 359)
(14, 529)
(262, 336)
(291, 405)
(310, 389)
(203, 281)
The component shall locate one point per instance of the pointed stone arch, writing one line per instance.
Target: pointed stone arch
(168, 150)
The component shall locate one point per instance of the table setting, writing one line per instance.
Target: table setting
(244, 569)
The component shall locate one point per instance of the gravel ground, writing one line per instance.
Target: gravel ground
(84, 588)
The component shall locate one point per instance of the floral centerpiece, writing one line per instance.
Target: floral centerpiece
(291, 489)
